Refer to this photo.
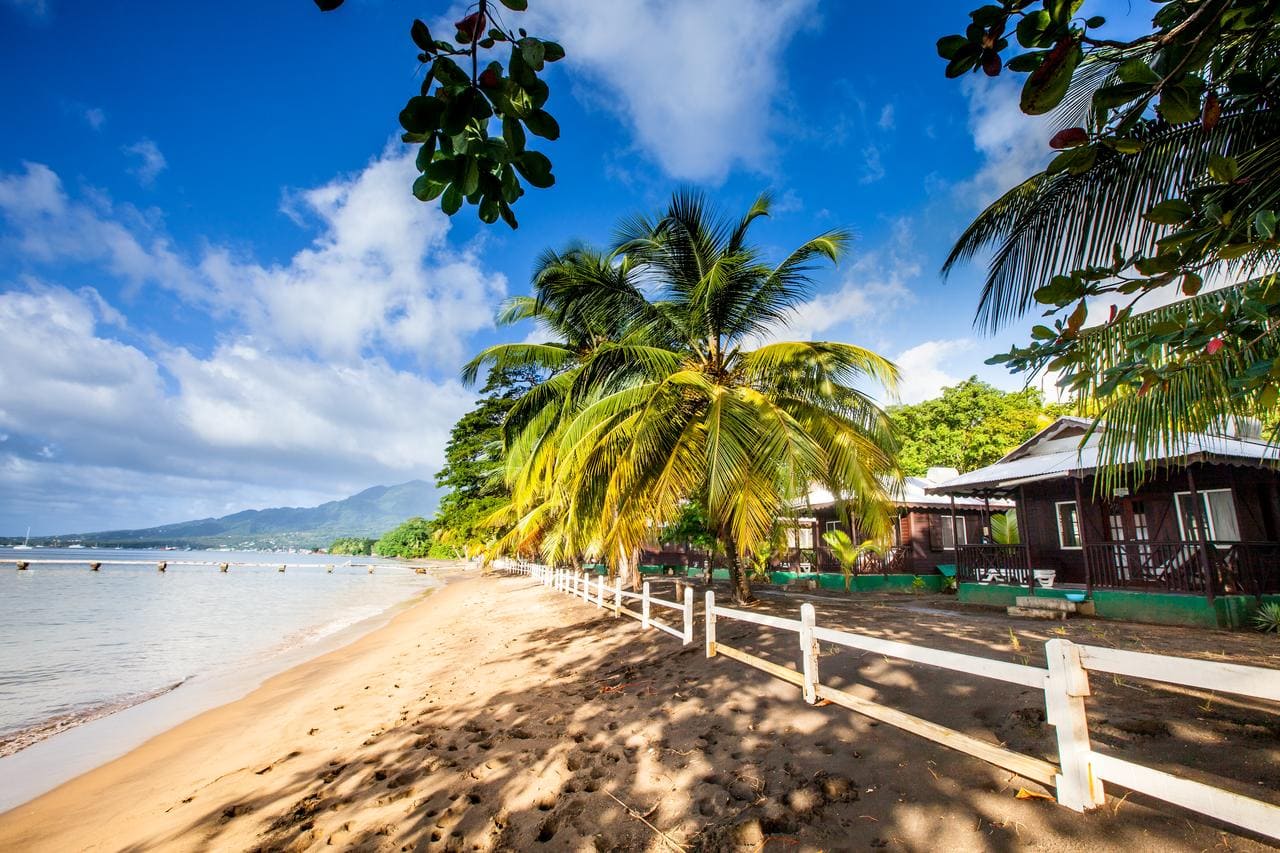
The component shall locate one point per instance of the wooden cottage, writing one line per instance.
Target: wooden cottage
(925, 532)
(1205, 523)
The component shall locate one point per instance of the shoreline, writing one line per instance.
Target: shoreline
(98, 738)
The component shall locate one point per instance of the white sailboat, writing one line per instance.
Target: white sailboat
(26, 543)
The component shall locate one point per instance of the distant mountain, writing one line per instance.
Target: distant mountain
(369, 513)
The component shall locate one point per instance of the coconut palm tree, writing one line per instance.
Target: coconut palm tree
(1150, 383)
(690, 400)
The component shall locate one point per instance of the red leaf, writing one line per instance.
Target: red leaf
(472, 26)
(1212, 111)
(1069, 138)
(991, 63)
(489, 78)
(1213, 346)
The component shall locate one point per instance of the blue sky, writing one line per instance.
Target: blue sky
(217, 293)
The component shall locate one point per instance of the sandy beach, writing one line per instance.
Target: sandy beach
(496, 715)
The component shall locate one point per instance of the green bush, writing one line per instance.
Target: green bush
(352, 545)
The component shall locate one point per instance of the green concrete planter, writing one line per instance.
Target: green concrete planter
(1157, 608)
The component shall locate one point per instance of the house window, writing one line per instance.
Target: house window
(834, 525)
(800, 537)
(1219, 509)
(1068, 524)
(943, 530)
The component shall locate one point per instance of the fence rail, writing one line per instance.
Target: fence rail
(1079, 774)
(580, 583)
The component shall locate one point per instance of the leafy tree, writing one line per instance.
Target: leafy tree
(460, 160)
(473, 469)
(677, 405)
(971, 425)
(351, 545)
(1167, 184)
(410, 540)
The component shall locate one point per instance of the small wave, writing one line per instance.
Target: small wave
(316, 633)
(16, 741)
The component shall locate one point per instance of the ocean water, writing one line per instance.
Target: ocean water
(77, 645)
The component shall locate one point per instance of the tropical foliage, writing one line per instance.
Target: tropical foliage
(663, 388)
(351, 545)
(970, 425)
(474, 462)
(1004, 528)
(411, 539)
(458, 157)
(847, 554)
(1166, 189)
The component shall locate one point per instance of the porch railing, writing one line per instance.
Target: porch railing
(894, 562)
(1249, 568)
(1009, 564)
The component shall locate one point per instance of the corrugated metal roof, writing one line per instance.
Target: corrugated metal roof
(912, 494)
(1042, 459)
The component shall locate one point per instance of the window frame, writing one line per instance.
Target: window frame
(1057, 521)
(1203, 494)
(948, 522)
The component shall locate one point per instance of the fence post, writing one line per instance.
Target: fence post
(617, 596)
(586, 587)
(599, 592)
(688, 615)
(1064, 692)
(809, 653)
(711, 624)
(644, 606)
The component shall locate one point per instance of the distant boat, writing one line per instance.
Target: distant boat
(75, 546)
(26, 543)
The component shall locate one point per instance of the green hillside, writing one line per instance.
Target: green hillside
(369, 513)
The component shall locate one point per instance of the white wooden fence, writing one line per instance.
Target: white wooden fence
(1080, 772)
(1078, 776)
(594, 588)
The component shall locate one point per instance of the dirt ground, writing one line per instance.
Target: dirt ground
(505, 716)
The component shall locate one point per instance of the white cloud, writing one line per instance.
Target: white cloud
(244, 420)
(1013, 145)
(94, 117)
(298, 396)
(698, 83)
(872, 166)
(875, 281)
(380, 274)
(886, 121)
(150, 161)
(924, 368)
(47, 226)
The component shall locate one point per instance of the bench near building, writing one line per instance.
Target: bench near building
(1196, 543)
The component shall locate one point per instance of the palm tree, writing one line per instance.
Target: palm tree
(680, 404)
(1055, 223)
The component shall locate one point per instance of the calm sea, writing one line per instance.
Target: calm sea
(76, 645)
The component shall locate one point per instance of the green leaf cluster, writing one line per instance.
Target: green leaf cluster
(970, 425)
(1168, 188)
(352, 545)
(473, 115)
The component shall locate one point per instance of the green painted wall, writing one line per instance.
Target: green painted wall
(862, 583)
(1158, 608)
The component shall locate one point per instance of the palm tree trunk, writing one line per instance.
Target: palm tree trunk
(737, 573)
